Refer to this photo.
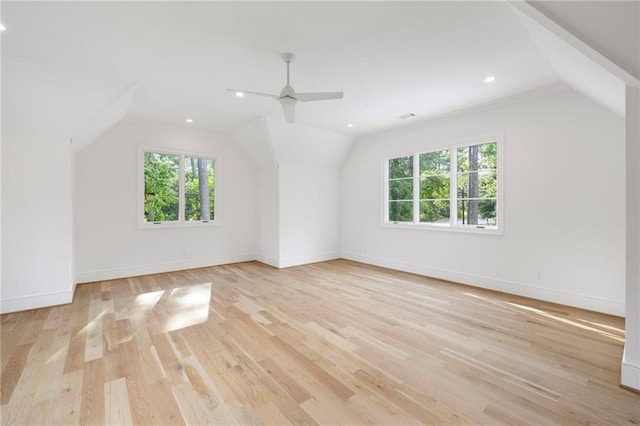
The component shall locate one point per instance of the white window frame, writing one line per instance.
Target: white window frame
(452, 226)
(181, 222)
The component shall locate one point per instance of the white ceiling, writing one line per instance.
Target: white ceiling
(389, 59)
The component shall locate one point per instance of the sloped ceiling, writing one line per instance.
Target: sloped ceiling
(612, 28)
(576, 69)
(389, 58)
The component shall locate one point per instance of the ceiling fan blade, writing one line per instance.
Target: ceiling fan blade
(254, 93)
(289, 111)
(318, 96)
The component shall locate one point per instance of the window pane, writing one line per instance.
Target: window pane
(401, 211)
(401, 189)
(436, 211)
(199, 188)
(401, 167)
(468, 185)
(161, 176)
(488, 184)
(477, 184)
(478, 157)
(477, 212)
(434, 187)
(435, 163)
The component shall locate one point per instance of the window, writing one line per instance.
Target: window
(456, 187)
(401, 189)
(177, 188)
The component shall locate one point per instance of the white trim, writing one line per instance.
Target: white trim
(444, 227)
(35, 301)
(612, 307)
(271, 261)
(180, 223)
(157, 268)
(295, 261)
(416, 188)
(304, 260)
(630, 373)
(182, 193)
(496, 137)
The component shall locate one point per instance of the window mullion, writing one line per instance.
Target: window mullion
(385, 195)
(453, 186)
(181, 190)
(416, 188)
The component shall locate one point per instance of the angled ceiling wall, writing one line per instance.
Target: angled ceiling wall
(609, 27)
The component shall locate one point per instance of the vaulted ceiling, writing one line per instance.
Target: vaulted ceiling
(390, 59)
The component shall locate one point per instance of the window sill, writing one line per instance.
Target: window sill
(181, 225)
(443, 228)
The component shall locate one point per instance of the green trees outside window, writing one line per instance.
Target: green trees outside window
(477, 184)
(161, 187)
(401, 189)
(163, 196)
(199, 180)
(435, 184)
(457, 186)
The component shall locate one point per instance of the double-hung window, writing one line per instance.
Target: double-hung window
(458, 187)
(177, 188)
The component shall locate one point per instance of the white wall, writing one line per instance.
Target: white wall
(297, 169)
(36, 215)
(563, 205)
(108, 242)
(268, 225)
(254, 140)
(41, 109)
(630, 371)
(309, 214)
(309, 162)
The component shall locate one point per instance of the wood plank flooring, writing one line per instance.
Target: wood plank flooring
(330, 343)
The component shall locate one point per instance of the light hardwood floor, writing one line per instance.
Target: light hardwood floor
(331, 343)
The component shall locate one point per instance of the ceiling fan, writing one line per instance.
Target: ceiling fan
(288, 97)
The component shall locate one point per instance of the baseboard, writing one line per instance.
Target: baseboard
(43, 300)
(288, 262)
(157, 268)
(630, 373)
(304, 260)
(611, 307)
(271, 261)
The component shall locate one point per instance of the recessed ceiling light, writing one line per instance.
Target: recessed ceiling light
(350, 125)
(490, 79)
(240, 94)
(2, 27)
(189, 120)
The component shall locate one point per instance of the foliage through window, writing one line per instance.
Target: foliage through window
(401, 189)
(455, 187)
(178, 188)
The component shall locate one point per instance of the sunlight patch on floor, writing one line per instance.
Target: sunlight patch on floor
(187, 306)
(566, 321)
(148, 300)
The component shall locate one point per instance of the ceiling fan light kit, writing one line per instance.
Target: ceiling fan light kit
(288, 96)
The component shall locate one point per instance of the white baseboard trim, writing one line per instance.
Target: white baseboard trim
(43, 300)
(295, 261)
(157, 268)
(630, 373)
(611, 307)
(304, 260)
(271, 261)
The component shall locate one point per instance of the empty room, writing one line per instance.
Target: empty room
(277, 213)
